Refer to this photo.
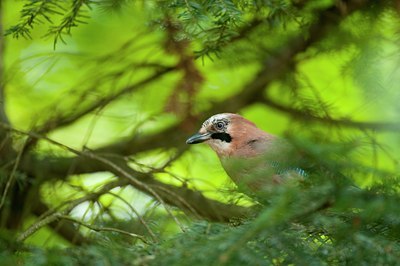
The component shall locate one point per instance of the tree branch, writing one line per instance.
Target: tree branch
(51, 216)
(65, 230)
(273, 68)
(306, 116)
(107, 229)
(188, 200)
(63, 121)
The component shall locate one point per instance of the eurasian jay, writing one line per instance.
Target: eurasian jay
(253, 158)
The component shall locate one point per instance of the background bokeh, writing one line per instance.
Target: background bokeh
(99, 97)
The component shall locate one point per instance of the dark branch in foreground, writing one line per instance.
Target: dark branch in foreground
(191, 201)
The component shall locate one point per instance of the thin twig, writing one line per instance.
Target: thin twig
(53, 215)
(12, 174)
(142, 221)
(36, 226)
(99, 229)
(181, 200)
(137, 183)
(112, 165)
(297, 113)
(60, 122)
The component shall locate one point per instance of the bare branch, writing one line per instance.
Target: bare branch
(54, 215)
(62, 121)
(36, 226)
(65, 230)
(108, 229)
(90, 162)
(303, 115)
(110, 165)
(126, 171)
(142, 221)
(181, 197)
(10, 180)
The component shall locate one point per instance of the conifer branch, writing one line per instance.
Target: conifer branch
(105, 229)
(74, 16)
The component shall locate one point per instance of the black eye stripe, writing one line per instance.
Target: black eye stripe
(222, 136)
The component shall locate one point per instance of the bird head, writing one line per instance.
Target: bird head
(229, 135)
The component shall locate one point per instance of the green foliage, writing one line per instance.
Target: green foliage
(94, 132)
(290, 231)
(41, 11)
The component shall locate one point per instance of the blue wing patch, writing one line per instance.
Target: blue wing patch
(281, 170)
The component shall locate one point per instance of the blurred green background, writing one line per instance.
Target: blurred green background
(127, 82)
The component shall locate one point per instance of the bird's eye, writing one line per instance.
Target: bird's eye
(219, 125)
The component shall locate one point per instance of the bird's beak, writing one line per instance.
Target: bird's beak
(198, 138)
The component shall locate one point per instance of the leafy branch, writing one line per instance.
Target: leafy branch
(33, 12)
(74, 16)
(41, 11)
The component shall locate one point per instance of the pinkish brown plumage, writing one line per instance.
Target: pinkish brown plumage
(249, 155)
(244, 135)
